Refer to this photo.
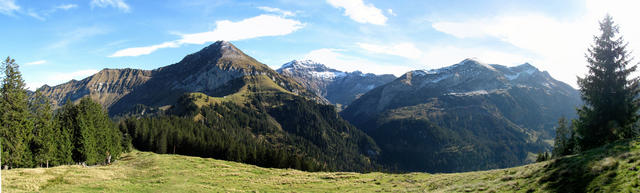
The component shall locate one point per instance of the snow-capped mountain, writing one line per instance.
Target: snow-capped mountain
(469, 116)
(338, 87)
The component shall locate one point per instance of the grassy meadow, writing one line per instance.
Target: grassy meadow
(613, 168)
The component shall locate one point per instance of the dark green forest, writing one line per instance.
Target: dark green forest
(33, 135)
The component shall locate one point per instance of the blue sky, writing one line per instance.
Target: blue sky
(56, 41)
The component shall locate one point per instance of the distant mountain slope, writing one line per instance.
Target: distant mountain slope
(339, 88)
(221, 91)
(468, 116)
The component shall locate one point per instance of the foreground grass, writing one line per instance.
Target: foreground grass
(609, 169)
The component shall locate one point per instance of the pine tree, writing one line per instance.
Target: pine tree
(610, 110)
(64, 123)
(45, 134)
(15, 123)
(96, 136)
(563, 144)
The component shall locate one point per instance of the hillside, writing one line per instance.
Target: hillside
(465, 117)
(613, 168)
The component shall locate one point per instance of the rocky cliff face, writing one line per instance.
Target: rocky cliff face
(339, 88)
(467, 116)
(106, 86)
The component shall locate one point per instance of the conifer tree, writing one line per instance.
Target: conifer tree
(64, 124)
(95, 135)
(563, 144)
(44, 141)
(608, 91)
(15, 124)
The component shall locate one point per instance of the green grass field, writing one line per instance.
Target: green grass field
(613, 168)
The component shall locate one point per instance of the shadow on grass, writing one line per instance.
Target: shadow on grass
(575, 173)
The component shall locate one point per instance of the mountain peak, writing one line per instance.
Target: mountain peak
(474, 62)
(304, 64)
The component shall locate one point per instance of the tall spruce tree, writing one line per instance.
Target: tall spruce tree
(44, 141)
(94, 135)
(609, 93)
(15, 124)
(563, 144)
(65, 122)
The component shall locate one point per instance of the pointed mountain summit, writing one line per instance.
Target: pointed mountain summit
(216, 70)
(468, 116)
(338, 87)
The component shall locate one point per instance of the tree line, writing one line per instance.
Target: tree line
(32, 134)
(610, 96)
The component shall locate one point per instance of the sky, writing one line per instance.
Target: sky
(56, 41)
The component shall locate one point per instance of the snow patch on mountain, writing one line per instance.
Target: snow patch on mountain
(470, 93)
(328, 74)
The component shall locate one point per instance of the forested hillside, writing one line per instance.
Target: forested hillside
(269, 129)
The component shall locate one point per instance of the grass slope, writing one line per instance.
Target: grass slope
(613, 168)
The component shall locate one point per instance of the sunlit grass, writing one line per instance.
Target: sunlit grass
(613, 168)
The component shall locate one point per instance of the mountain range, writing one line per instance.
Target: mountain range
(467, 116)
(338, 87)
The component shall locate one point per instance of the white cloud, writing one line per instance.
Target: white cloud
(390, 12)
(36, 62)
(334, 58)
(360, 12)
(559, 45)
(138, 51)
(8, 7)
(43, 15)
(277, 11)
(35, 15)
(407, 50)
(66, 6)
(120, 4)
(259, 26)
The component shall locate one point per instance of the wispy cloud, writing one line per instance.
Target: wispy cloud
(360, 12)
(406, 50)
(43, 15)
(277, 11)
(259, 26)
(36, 63)
(35, 15)
(66, 6)
(76, 35)
(8, 7)
(119, 4)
